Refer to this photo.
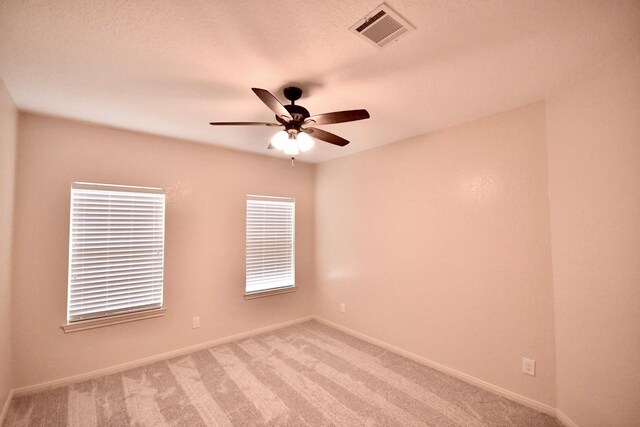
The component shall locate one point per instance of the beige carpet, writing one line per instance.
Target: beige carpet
(303, 375)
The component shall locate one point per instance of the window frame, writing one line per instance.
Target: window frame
(276, 290)
(128, 314)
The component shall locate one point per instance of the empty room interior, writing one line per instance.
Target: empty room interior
(322, 212)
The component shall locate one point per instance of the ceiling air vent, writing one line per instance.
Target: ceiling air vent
(381, 26)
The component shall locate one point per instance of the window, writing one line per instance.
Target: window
(270, 244)
(116, 250)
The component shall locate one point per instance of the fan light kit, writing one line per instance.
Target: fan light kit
(292, 142)
(297, 134)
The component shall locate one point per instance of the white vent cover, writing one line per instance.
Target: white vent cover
(381, 26)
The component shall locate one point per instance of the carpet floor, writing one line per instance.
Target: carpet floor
(302, 375)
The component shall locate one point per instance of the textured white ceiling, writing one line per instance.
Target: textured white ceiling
(169, 67)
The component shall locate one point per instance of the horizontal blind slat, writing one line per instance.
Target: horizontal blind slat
(115, 305)
(78, 287)
(92, 262)
(140, 294)
(101, 289)
(106, 266)
(131, 278)
(109, 273)
(121, 252)
(115, 297)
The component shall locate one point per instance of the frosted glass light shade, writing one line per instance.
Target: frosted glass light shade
(280, 139)
(291, 147)
(305, 142)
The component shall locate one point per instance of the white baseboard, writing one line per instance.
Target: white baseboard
(531, 403)
(5, 407)
(140, 362)
(568, 422)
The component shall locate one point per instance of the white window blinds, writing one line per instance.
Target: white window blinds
(116, 250)
(270, 243)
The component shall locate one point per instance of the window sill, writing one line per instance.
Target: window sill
(83, 325)
(269, 292)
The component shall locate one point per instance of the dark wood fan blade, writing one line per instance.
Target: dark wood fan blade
(338, 117)
(326, 136)
(271, 102)
(244, 124)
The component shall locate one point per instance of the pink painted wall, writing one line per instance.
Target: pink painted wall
(594, 174)
(8, 123)
(440, 245)
(204, 260)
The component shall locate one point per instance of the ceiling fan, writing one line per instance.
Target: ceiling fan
(298, 123)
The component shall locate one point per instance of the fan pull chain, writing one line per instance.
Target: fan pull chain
(293, 165)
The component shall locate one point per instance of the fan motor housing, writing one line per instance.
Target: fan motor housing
(298, 115)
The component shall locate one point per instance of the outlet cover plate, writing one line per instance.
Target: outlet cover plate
(529, 366)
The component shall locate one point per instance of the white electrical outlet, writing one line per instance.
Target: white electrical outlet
(342, 308)
(529, 366)
(195, 322)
